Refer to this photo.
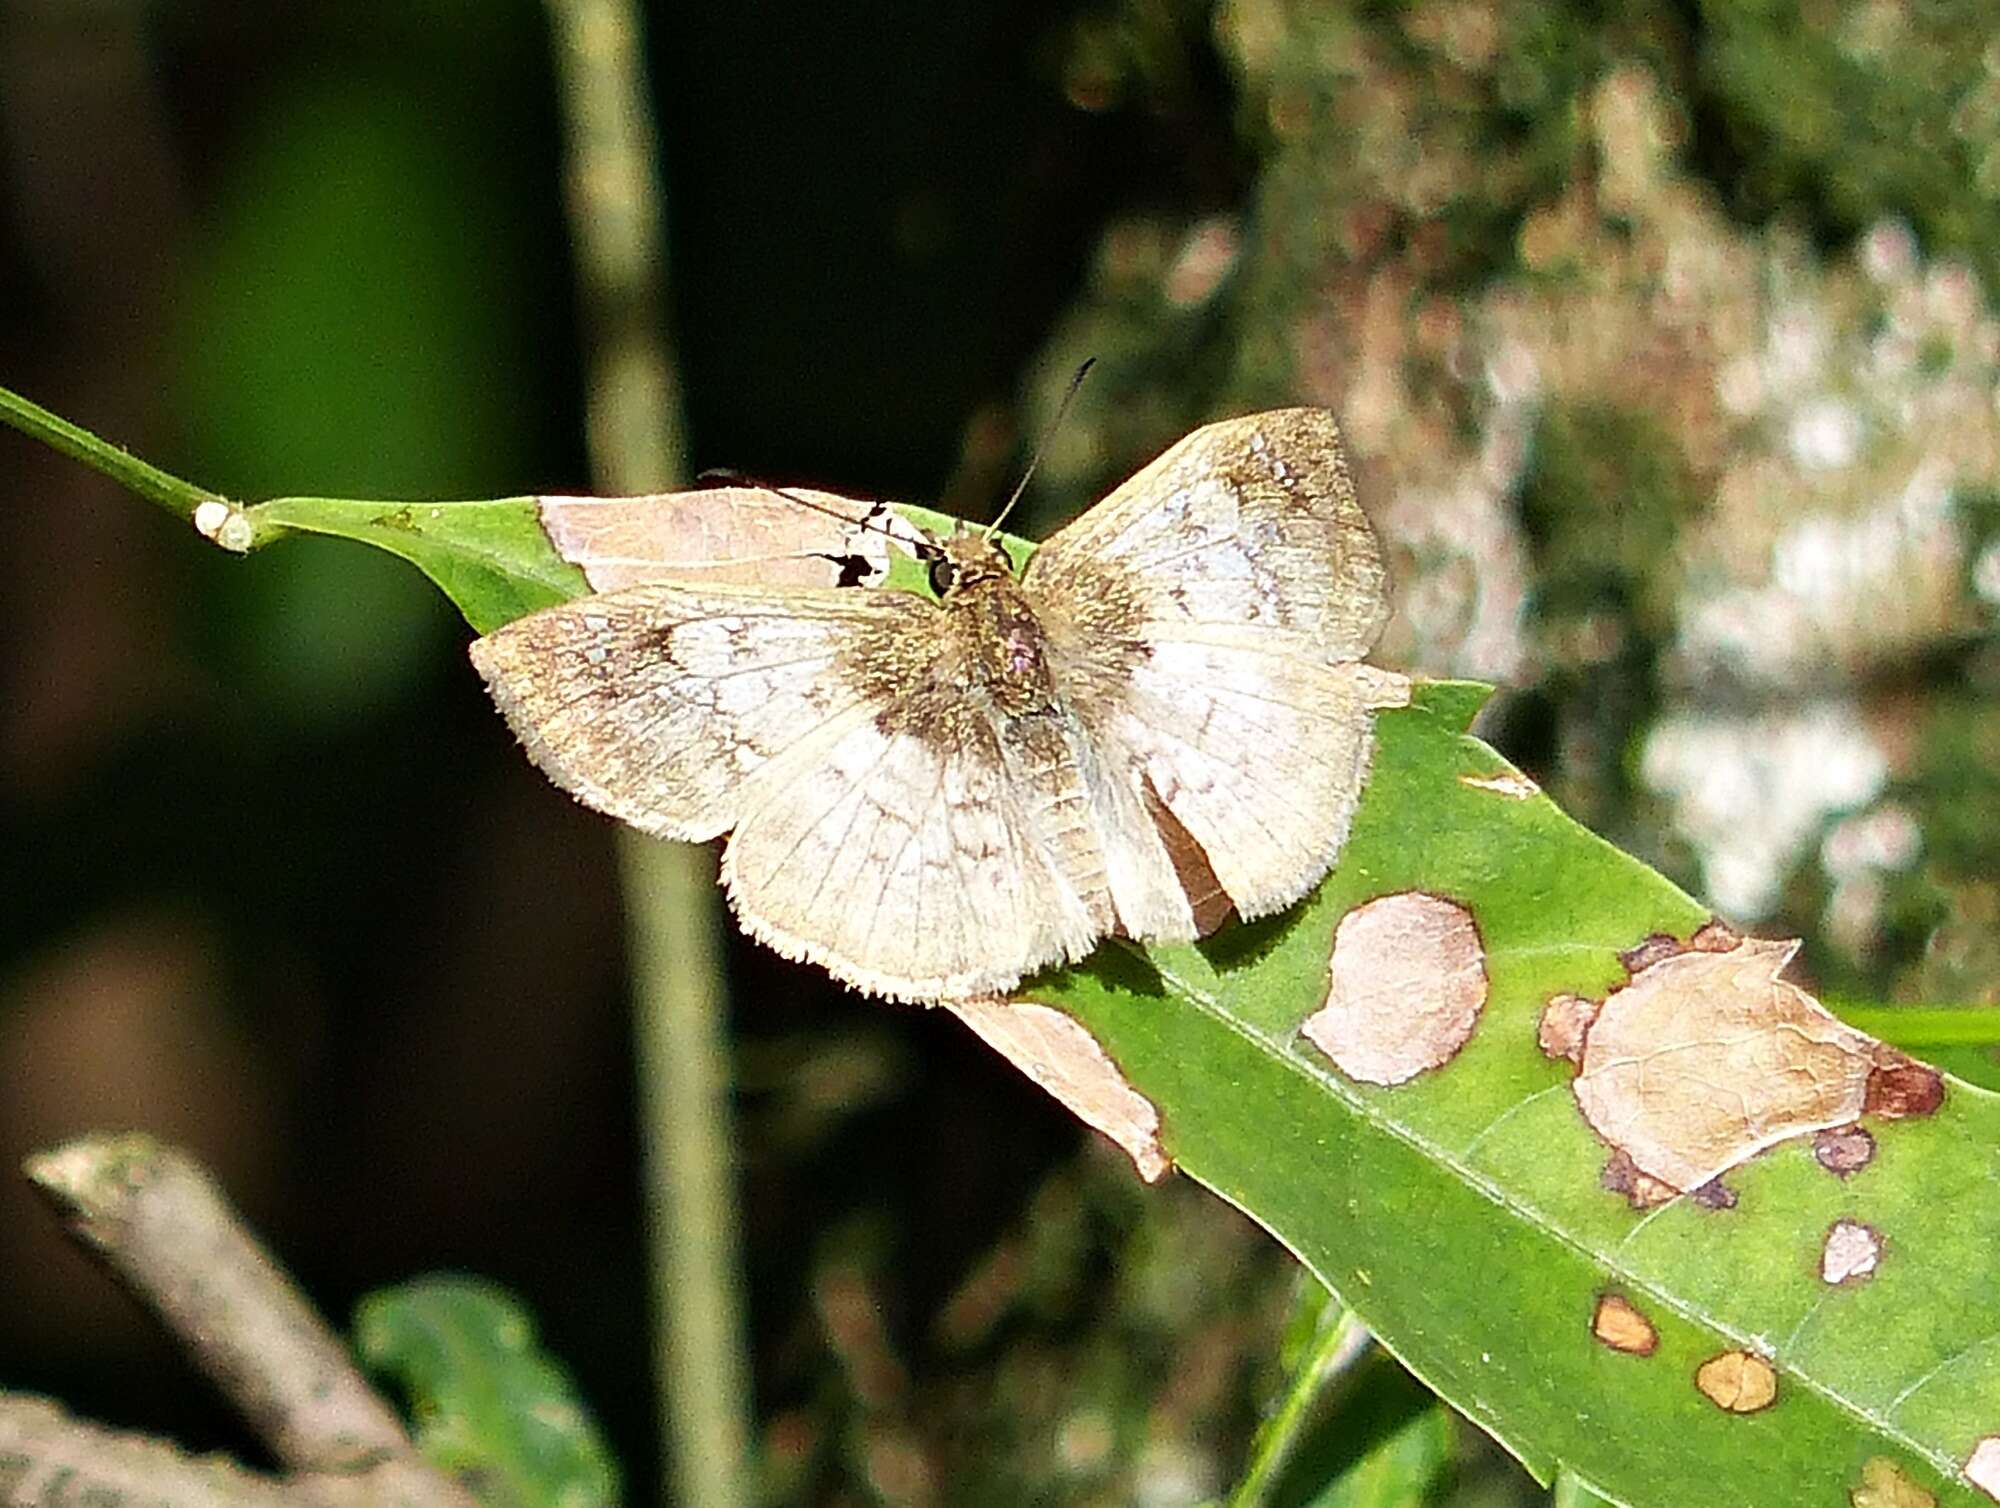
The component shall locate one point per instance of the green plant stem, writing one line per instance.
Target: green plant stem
(699, 1354)
(73, 440)
(634, 426)
(1342, 1340)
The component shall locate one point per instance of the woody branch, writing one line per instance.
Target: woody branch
(163, 1229)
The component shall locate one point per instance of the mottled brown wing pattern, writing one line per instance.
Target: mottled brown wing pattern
(1204, 621)
(906, 868)
(1251, 523)
(908, 864)
(1163, 720)
(655, 703)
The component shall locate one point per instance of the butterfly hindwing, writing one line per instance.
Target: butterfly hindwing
(1205, 621)
(904, 866)
(881, 828)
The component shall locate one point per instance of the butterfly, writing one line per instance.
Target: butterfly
(1162, 719)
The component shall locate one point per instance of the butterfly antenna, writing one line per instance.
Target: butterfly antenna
(1041, 445)
(738, 479)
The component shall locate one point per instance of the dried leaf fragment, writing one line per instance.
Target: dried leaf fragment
(1884, 1485)
(1851, 1253)
(1738, 1382)
(755, 536)
(1982, 1467)
(1565, 1020)
(1707, 1058)
(1405, 987)
(1622, 1327)
(1055, 1050)
(1509, 783)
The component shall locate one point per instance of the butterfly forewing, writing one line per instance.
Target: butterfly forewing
(1249, 524)
(655, 703)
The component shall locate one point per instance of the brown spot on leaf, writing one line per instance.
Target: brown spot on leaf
(1739, 1382)
(1982, 1467)
(1884, 1485)
(1641, 1190)
(1900, 1088)
(1565, 1021)
(1055, 1050)
(1623, 1328)
(1706, 1058)
(1714, 1195)
(1404, 989)
(1710, 937)
(1510, 783)
(1851, 1253)
(1657, 946)
(1844, 1151)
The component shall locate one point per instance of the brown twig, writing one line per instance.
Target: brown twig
(46, 1457)
(163, 1229)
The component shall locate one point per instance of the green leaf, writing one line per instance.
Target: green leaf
(1354, 1430)
(1573, 1492)
(1388, 1447)
(1461, 1214)
(490, 558)
(490, 1407)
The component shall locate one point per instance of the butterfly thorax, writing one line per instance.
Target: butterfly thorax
(992, 633)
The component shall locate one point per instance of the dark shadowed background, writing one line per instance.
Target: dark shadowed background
(1663, 335)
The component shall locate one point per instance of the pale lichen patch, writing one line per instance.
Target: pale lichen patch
(1851, 1253)
(1982, 1467)
(1509, 783)
(1738, 1382)
(1844, 1151)
(1055, 1050)
(1381, 689)
(1622, 1327)
(1405, 987)
(1884, 1484)
(1707, 1057)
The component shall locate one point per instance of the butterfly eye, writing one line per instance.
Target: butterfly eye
(943, 573)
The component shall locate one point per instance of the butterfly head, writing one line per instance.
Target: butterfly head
(965, 560)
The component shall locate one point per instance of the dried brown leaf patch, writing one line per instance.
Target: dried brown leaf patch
(1405, 986)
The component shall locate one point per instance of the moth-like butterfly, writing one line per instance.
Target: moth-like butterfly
(1161, 719)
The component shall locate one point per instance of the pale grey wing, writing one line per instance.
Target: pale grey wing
(655, 703)
(1251, 522)
(1259, 754)
(903, 866)
(1204, 622)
